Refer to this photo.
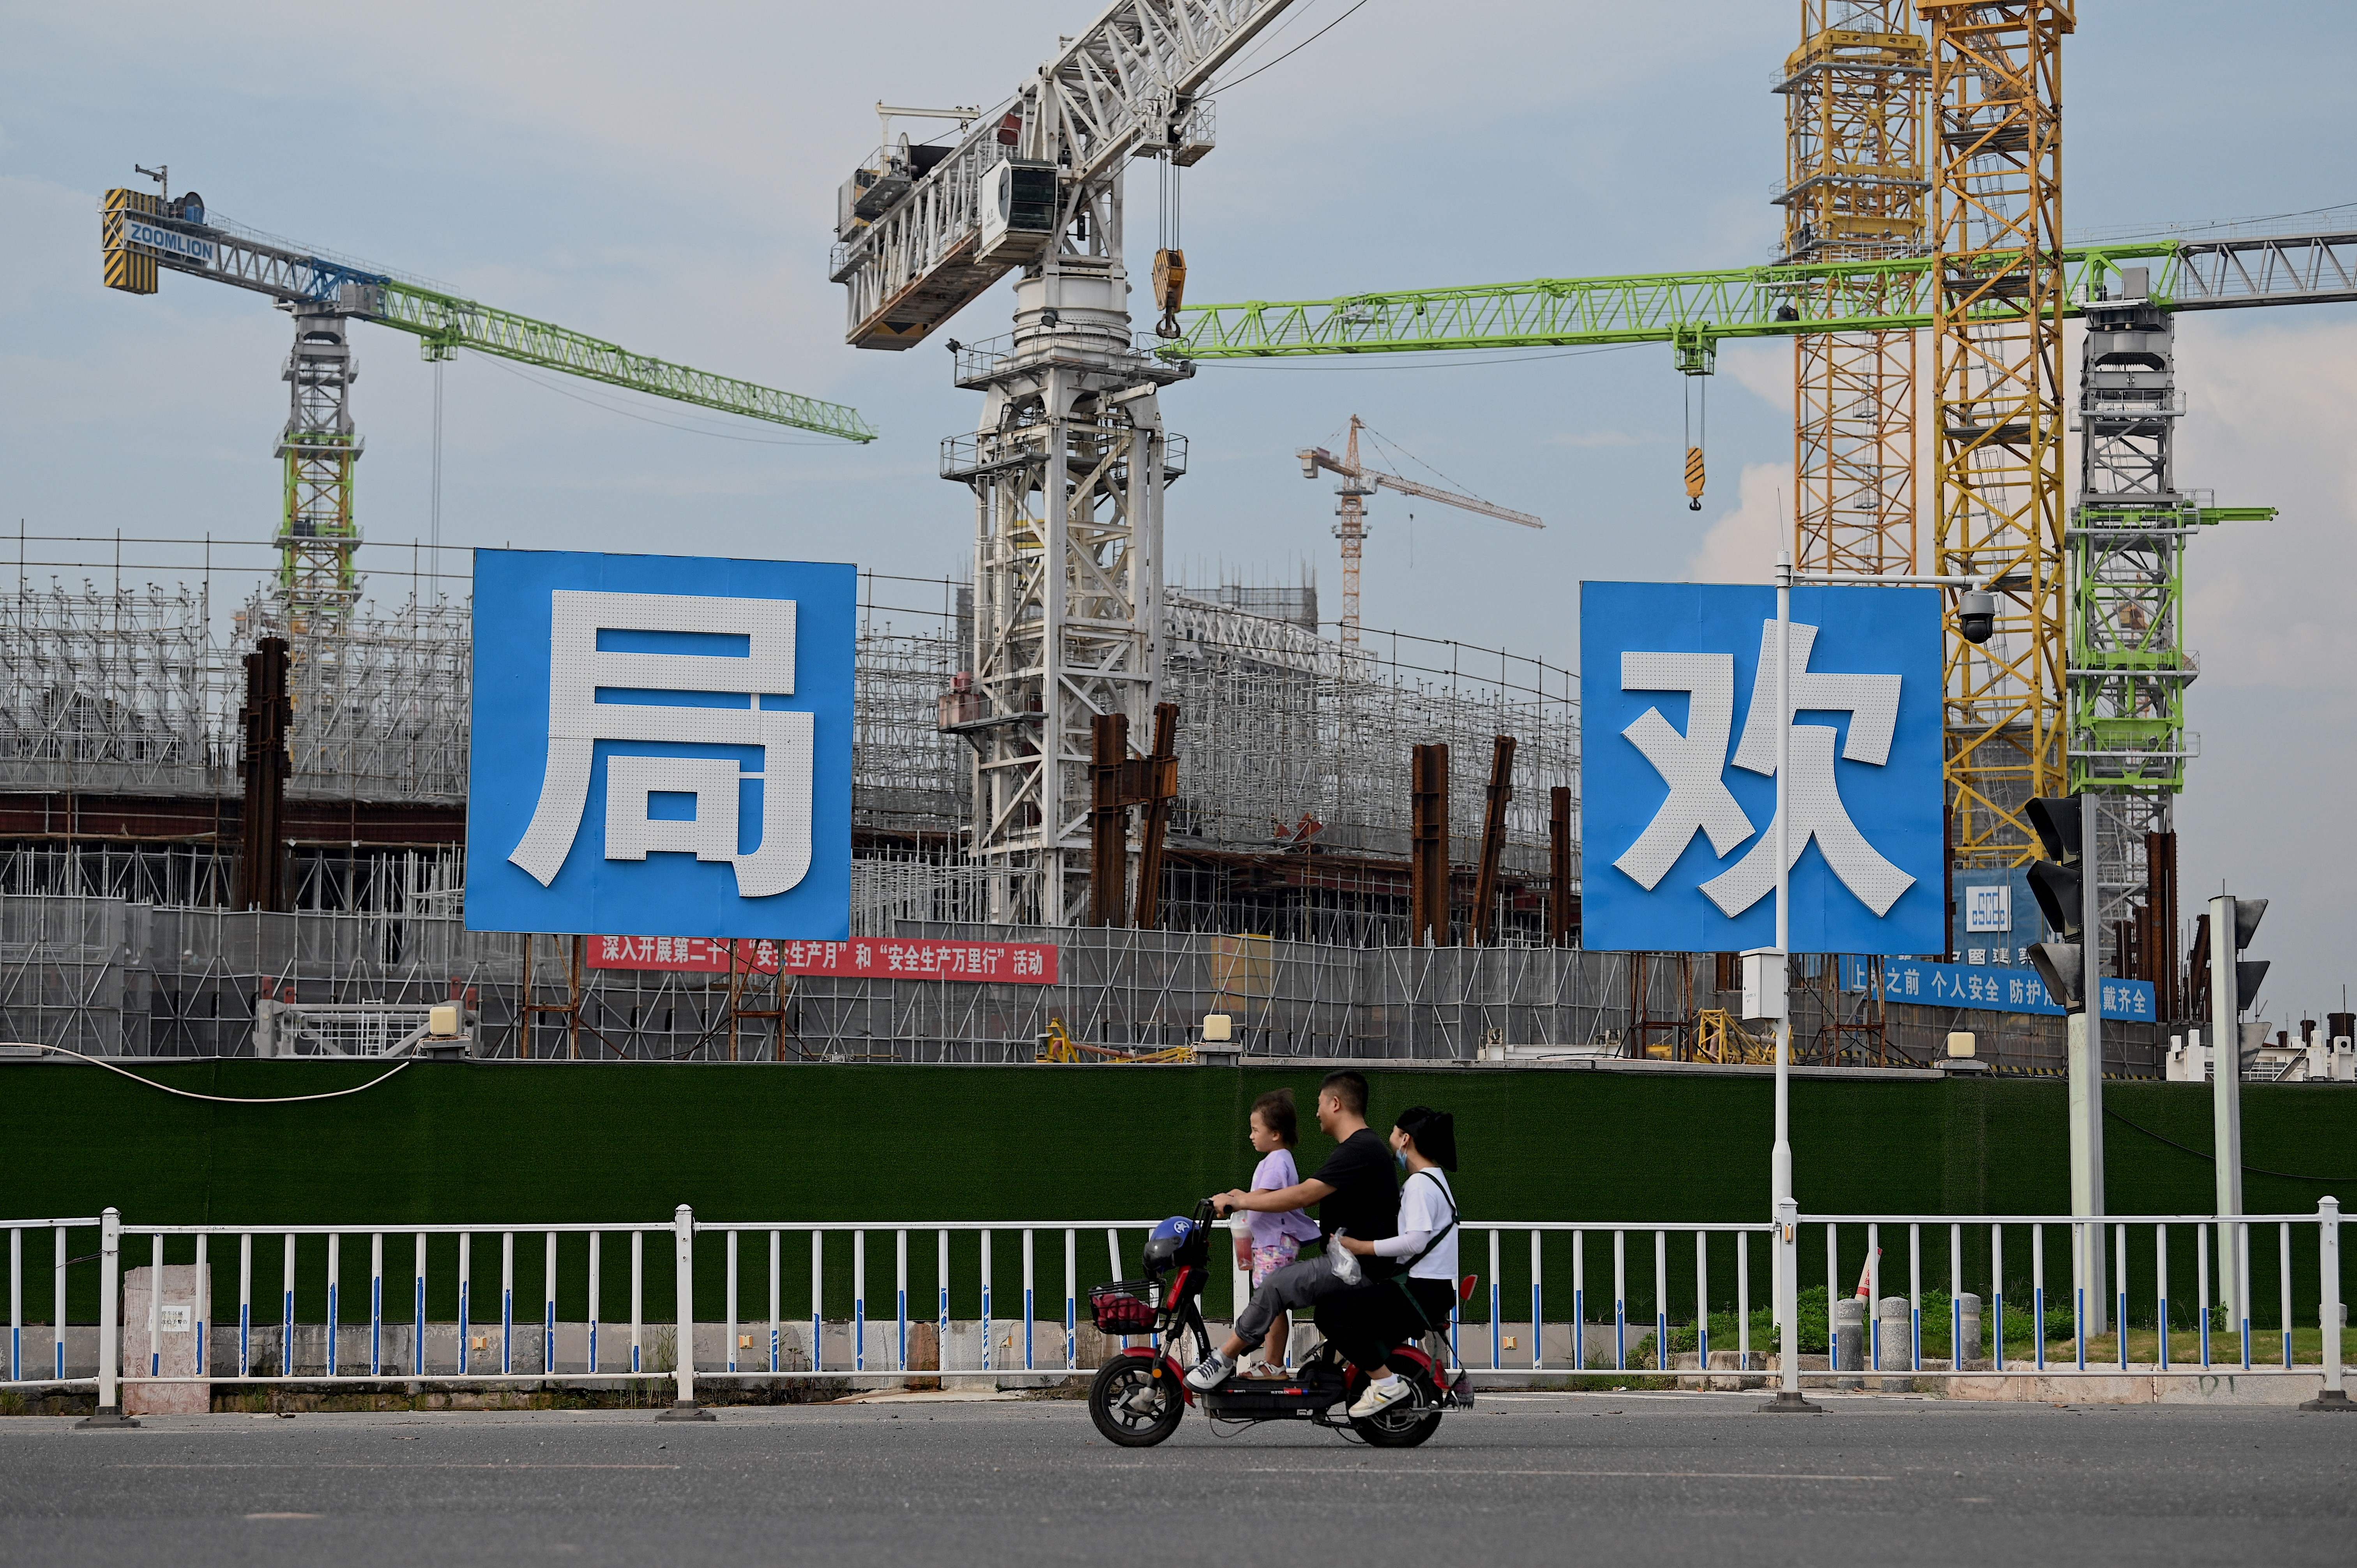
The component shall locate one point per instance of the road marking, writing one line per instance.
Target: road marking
(365, 1466)
(282, 1515)
(1632, 1474)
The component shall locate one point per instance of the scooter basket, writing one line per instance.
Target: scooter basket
(1125, 1306)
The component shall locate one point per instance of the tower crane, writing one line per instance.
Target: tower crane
(1068, 463)
(1358, 483)
(144, 234)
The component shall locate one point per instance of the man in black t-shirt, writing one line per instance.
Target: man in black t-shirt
(1361, 1198)
(1354, 1191)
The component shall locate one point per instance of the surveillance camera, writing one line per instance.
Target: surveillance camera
(1975, 615)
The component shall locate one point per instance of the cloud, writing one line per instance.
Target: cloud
(1762, 368)
(1740, 545)
(1596, 438)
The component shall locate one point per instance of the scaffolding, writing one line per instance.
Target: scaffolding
(382, 702)
(1288, 743)
(110, 977)
(109, 689)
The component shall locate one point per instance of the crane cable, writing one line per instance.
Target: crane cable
(1170, 256)
(1694, 444)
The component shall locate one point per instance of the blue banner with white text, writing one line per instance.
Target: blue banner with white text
(1989, 990)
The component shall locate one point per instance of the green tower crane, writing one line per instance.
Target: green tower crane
(144, 234)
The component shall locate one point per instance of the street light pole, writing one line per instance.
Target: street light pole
(1778, 983)
(1780, 1162)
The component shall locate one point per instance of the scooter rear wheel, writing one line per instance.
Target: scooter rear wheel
(1132, 1406)
(1406, 1424)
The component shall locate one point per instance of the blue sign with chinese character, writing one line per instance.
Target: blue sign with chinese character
(1994, 919)
(662, 745)
(1930, 985)
(1678, 762)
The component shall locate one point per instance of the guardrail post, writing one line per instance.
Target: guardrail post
(1788, 1399)
(2327, 1259)
(682, 1231)
(108, 1412)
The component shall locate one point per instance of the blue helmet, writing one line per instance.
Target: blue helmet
(1170, 1239)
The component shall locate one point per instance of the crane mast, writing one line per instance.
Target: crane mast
(1069, 461)
(1854, 190)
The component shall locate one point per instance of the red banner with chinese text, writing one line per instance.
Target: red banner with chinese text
(870, 958)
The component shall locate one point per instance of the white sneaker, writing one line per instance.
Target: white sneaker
(1210, 1373)
(1381, 1395)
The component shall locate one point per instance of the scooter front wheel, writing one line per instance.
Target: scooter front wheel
(1132, 1405)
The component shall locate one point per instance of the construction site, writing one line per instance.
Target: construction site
(233, 813)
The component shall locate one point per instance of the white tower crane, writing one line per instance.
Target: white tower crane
(1070, 459)
(1358, 483)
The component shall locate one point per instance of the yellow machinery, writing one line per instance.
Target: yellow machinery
(1061, 1048)
(1719, 1037)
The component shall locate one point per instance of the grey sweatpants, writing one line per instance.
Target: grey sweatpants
(1300, 1284)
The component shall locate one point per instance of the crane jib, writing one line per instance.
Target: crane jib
(139, 234)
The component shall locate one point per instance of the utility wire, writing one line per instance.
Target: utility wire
(1289, 53)
(1268, 41)
(232, 1099)
(2200, 1154)
(2139, 231)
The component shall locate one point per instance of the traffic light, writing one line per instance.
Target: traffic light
(2058, 883)
(2250, 974)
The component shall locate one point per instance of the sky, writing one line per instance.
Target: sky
(664, 178)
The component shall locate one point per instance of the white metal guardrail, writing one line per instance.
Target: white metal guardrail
(362, 1322)
(46, 1365)
(2251, 1346)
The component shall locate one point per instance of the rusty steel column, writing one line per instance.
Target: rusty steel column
(1428, 847)
(1108, 819)
(1563, 912)
(1493, 839)
(2160, 959)
(267, 716)
(1161, 790)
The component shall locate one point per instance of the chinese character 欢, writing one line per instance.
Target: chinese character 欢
(1811, 794)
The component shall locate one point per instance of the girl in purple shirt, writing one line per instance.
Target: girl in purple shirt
(1267, 1243)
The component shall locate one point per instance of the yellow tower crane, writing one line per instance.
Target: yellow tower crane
(1997, 379)
(1854, 191)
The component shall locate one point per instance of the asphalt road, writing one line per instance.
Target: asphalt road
(1606, 1479)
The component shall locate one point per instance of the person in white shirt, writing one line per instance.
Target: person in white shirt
(1365, 1325)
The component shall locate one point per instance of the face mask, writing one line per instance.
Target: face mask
(1399, 1158)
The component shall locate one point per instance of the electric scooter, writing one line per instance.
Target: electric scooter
(1140, 1394)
